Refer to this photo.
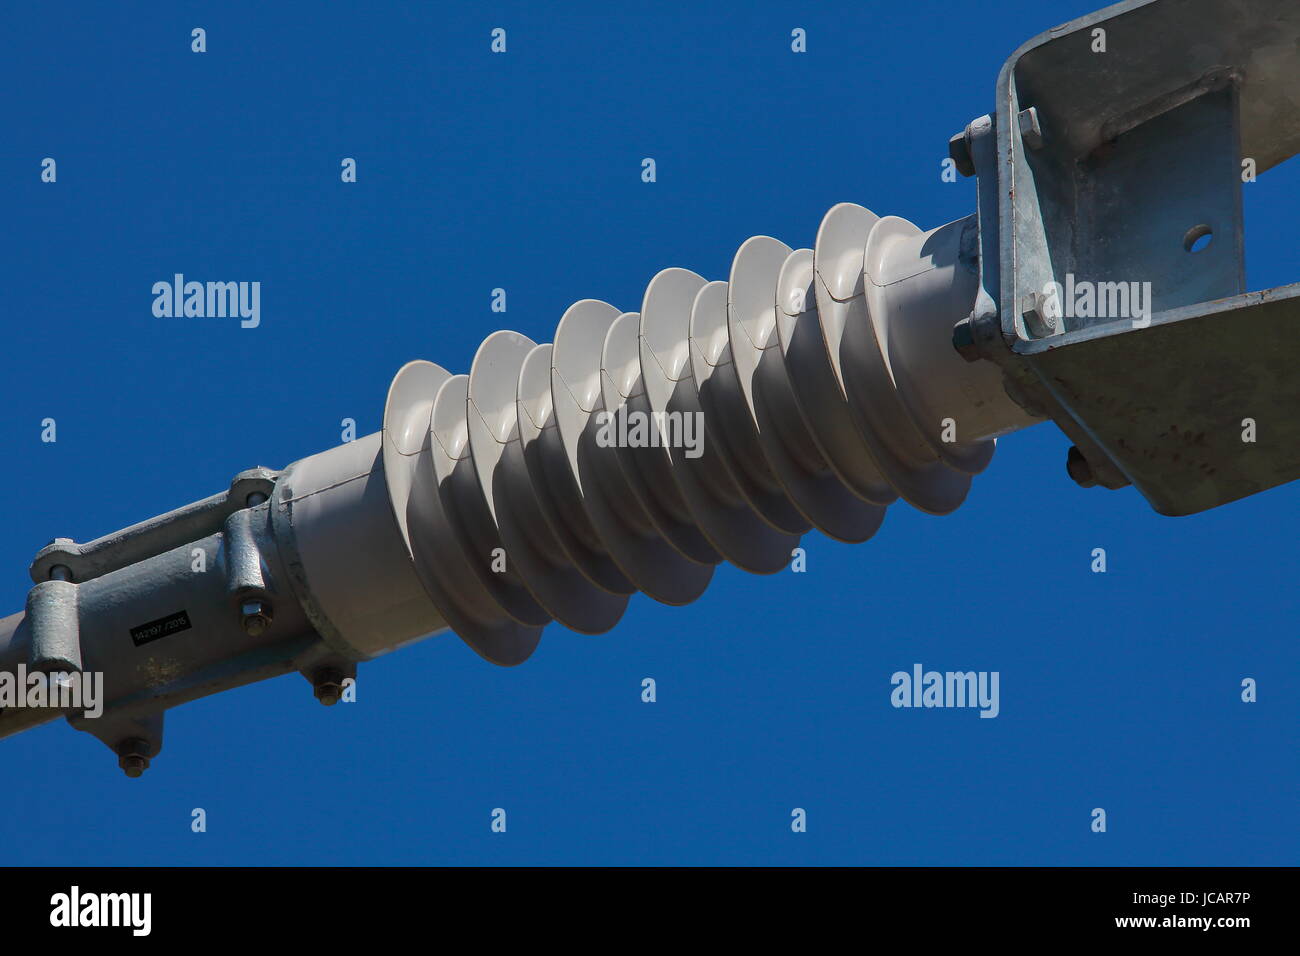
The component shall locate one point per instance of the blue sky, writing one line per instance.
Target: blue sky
(476, 171)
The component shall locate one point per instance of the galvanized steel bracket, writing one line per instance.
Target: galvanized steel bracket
(1115, 163)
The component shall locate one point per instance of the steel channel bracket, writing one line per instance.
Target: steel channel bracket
(1118, 142)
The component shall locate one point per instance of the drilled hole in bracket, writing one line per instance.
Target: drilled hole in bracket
(1198, 238)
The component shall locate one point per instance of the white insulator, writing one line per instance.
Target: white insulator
(823, 386)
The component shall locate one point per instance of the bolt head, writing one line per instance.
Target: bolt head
(1035, 315)
(1031, 133)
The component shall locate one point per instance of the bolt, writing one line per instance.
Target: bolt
(328, 686)
(959, 151)
(254, 499)
(133, 756)
(1077, 467)
(255, 616)
(60, 572)
(1038, 321)
(1031, 133)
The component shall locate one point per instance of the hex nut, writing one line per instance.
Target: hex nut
(959, 153)
(133, 756)
(328, 687)
(255, 616)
